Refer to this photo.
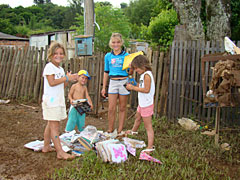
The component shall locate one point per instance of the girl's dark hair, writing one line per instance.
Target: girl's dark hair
(141, 62)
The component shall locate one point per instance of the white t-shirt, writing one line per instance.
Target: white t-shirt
(53, 96)
(146, 99)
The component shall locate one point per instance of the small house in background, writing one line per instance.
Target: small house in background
(65, 37)
(83, 45)
(140, 46)
(8, 40)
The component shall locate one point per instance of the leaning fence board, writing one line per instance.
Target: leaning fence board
(38, 74)
(164, 90)
(158, 85)
(171, 81)
(32, 78)
(17, 87)
(7, 72)
(179, 77)
(29, 73)
(3, 69)
(14, 74)
(12, 64)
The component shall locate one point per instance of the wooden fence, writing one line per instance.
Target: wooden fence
(22, 69)
(177, 77)
(185, 93)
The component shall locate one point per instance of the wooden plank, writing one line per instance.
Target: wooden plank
(11, 93)
(190, 108)
(3, 69)
(175, 75)
(179, 72)
(38, 75)
(29, 72)
(197, 79)
(12, 64)
(45, 60)
(8, 67)
(154, 64)
(20, 71)
(25, 62)
(200, 97)
(188, 77)
(158, 83)
(170, 102)
(183, 79)
(164, 90)
(33, 73)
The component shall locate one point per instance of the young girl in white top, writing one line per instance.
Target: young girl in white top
(146, 90)
(53, 104)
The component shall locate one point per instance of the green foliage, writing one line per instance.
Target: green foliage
(161, 28)
(185, 155)
(6, 26)
(22, 30)
(140, 11)
(109, 20)
(235, 20)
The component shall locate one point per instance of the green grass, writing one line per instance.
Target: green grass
(185, 155)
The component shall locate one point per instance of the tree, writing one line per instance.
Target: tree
(140, 11)
(161, 28)
(110, 20)
(217, 20)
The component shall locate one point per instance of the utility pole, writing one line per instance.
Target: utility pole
(89, 17)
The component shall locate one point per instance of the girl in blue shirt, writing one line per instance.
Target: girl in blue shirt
(113, 63)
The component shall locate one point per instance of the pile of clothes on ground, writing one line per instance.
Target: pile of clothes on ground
(110, 147)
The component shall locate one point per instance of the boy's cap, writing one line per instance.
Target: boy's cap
(85, 73)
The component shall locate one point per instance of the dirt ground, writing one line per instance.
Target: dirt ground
(21, 124)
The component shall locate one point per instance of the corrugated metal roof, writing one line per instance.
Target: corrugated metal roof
(11, 37)
(54, 32)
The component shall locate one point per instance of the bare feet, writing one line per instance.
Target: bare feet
(48, 149)
(65, 156)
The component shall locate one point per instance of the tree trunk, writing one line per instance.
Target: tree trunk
(189, 15)
(218, 13)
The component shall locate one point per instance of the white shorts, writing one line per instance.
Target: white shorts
(117, 87)
(54, 113)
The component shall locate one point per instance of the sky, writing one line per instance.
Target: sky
(26, 3)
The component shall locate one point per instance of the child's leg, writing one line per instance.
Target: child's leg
(47, 139)
(137, 122)
(54, 128)
(72, 120)
(122, 111)
(112, 103)
(148, 125)
(81, 122)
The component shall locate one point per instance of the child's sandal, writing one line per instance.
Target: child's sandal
(131, 132)
(149, 150)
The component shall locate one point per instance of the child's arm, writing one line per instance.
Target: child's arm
(88, 98)
(53, 82)
(105, 79)
(147, 85)
(70, 94)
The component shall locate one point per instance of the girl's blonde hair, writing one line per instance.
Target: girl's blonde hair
(53, 47)
(141, 62)
(115, 35)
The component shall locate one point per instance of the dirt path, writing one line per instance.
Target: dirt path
(20, 125)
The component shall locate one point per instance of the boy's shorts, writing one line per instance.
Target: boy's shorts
(54, 113)
(116, 87)
(145, 111)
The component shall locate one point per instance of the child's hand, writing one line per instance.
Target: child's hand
(103, 92)
(129, 86)
(72, 77)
